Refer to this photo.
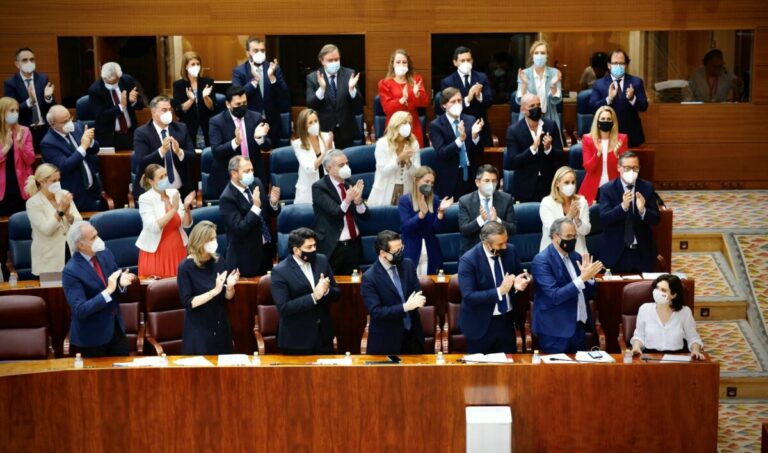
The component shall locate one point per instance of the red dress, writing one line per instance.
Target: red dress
(170, 252)
(390, 93)
(594, 166)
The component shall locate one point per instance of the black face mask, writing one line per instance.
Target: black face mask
(605, 126)
(496, 252)
(568, 245)
(239, 111)
(397, 257)
(425, 189)
(308, 257)
(534, 113)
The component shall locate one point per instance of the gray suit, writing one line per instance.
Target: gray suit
(469, 210)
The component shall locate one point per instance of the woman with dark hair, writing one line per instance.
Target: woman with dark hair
(193, 98)
(666, 325)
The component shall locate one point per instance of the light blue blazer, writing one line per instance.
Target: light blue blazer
(550, 101)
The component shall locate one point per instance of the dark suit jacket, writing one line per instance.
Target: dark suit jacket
(556, 298)
(198, 115)
(336, 115)
(533, 173)
(612, 217)
(449, 181)
(222, 132)
(93, 319)
(329, 218)
(244, 228)
(299, 314)
(15, 88)
(469, 209)
(415, 230)
(106, 112)
(627, 114)
(146, 142)
(476, 108)
(275, 98)
(57, 151)
(478, 288)
(385, 332)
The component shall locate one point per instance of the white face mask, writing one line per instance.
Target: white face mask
(568, 189)
(68, 127)
(488, 188)
(28, 67)
(55, 187)
(210, 247)
(660, 297)
(110, 86)
(455, 110)
(404, 130)
(259, 57)
(345, 172)
(12, 117)
(98, 245)
(629, 177)
(465, 68)
(166, 118)
(194, 71)
(314, 129)
(333, 67)
(401, 70)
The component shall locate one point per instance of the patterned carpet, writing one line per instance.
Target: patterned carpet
(713, 279)
(754, 252)
(739, 426)
(727, 342)
(718, 210)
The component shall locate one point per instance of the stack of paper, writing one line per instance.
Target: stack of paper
(233, 360)
(197, 360)
(676, 358)
(583, 356)
(498, 357)
(141, 361)
(556, 358)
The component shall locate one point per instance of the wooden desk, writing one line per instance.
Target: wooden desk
(303, 407)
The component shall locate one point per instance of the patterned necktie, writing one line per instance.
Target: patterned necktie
(399, 288)
(243, 138)
(168, 158)
(35, 109)
(463, 159)
(501, 305)
(348, 216)
(266, 234)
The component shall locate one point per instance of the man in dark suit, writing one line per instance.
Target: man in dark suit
(236, 131)
(627, 211)
(483, 206)
(534, 151)
(338, 207)
(114, 100)
(164, 142)
(333, 93)
(90, 280)
(488, 286)
(264, 86)
(456, 140)
(474, 88)
(75, 152)
(625, 94)
(33, 92)
(302, 287)
(564, 285)
(244, 207)
(392, 295)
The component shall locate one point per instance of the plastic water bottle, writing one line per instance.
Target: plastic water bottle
(355, 276)
(78, 361)
(536, 359)
(164, 359)
(441, 276)
(607, 275)
(348, 358)
(256, 359)
(13, 279)
(439, 358)
(628, 356)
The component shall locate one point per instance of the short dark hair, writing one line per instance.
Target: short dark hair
(486, 168)
(460, 50)
(383, 239)
(22, 49)
(447, 94)
(711, 54)
(297, 237)
(251, 39)
(627, 155)
(675, 287)
(491, 229)
(599, 60)
(621, 51)
(234, 91)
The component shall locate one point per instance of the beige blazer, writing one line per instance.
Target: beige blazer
(49, 234)
(151, 208)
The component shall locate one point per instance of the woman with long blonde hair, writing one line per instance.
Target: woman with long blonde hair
(563, 201)
(310, 148)
(16, 158)
(397, 158)
(402, 90)
(541, 80)
(600, 150)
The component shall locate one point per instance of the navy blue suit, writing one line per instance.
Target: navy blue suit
(475, 108)
(58, 151)
(449, 181)
(274, 101)
(146, 142)
(16, 88)
(93, 318)
(627, 114)
(416, 230)
(221, 133)
(337, 115)
(107, 112)
(383, 302)
(533, 173)
(614, 254)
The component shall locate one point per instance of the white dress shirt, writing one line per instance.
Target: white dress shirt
(665, 337)
(468, 85)
(581, 308)
(621, 88)
(458, 141)
(479, 218)
(36, 106)
(320, 92)
(604, 149)
(388, 267)
(360, 208)
(491, 263)
(176, 184)
(537, 133)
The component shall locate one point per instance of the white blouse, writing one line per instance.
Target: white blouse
(665, 337)
(604, 175)
(308, 174)
(389, 172)
(550, 210)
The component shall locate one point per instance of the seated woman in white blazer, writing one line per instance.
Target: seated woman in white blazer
(397, 159)
(310, 147)
(51, 211)
(162, 242)
(563, 201)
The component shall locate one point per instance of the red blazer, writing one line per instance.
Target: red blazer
(594, 166)
(23, 160)
(390, 93)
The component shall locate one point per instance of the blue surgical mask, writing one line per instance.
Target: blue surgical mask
(539, 60)
(12, 117)
(333, 67)
(617, 71)
(163, 184)
(247, 179)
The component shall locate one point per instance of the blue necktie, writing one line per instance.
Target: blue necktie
(265, 233)
(399, 288)
(168, 158)
(499, 277)
(486, 206)
(463, 160)
(332, 87)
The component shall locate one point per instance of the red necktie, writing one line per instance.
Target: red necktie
(97, 267)
(348, 216)
(121, 118)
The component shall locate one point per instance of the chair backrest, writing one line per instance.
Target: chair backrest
(379, 117)
(165, 315)
(632, 297)
(20, 244)
(428, 156)
(360, 120)
(429, 313)
(450, 240)
(527, 240)
(212, 214)
(509, 180)
(456, 340)
(268, 316)
(84, 112)
(514, 108)
(382, 218)
(362, 159)
(206, 161)
(23, 328)
(131, 312)
(285, 129)
(119, 228)
(584, 113)
(284, 169)
(575, 159)
(291, 217)
(221, 100)
(595, 236)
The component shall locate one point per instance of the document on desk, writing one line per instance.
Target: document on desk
(233, 360)
(498, 357)
(557, 358)
(632, 277)
(197, 360)
(676, 358)
(331, 362)
(141, 361)
(583, 356)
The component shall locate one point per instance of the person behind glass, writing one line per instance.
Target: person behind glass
(712, 82)
(543, 81)
(16, 158)
(162, 241)
(114, 100)
(236, 131)
(310, 148)
(563, 201)
(601, 149)
(264, 85)
(193, 99)
(666, 324)
(625, 94)
(561, 316)
(456, 140)
(421, 218)
(302, 288)
(205, 287)
(74, 151)
(474, 87)
(392, 296)
(91, 283)
(33, 92)
(339, 207)
(488, 287)
(534, 151)
(51, 211)
(332, 92)
(598, 67)
(483, 206)
(403, 91)
(397, 159)
(164, 142)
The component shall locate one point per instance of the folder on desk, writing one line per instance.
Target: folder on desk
(233, 360)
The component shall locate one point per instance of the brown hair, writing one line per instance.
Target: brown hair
(391, 69)
(185, 59)
(325, 50)
(536, 44)
(447, 94)
(149, 175)
(301, 127)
